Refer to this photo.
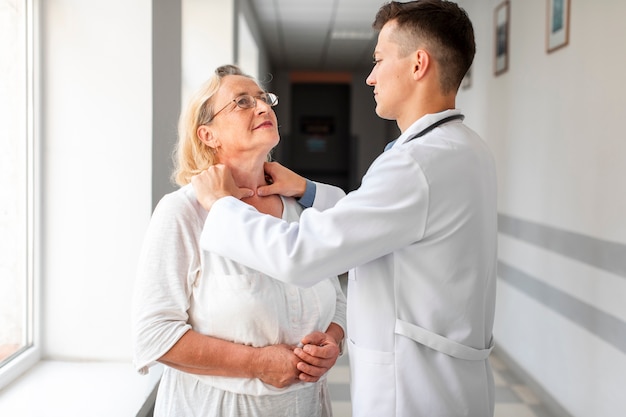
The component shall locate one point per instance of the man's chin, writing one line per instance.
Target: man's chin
(380, 112)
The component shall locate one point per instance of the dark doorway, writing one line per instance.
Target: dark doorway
(319, 146)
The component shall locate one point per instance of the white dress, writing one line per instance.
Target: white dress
(179, 287)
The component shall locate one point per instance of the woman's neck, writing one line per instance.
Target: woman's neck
(252, 175)
(246, 172)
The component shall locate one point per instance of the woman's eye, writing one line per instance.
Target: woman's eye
(244, 102)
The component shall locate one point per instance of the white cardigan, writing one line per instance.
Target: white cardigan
(179, 287)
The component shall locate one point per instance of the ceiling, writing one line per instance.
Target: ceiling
(318, 35)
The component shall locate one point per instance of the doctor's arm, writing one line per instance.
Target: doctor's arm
(387, 212)
(289, 184)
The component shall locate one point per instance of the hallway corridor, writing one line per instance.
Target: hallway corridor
(513, 398)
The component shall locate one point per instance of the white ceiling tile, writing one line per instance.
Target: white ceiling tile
(304, 27)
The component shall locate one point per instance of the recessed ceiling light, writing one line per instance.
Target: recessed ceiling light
(352, 34)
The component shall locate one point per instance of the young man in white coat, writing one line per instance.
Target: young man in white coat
(418, 236)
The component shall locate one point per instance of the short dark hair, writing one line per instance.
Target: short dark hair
(442, 27)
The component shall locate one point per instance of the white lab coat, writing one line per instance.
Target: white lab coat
(419, 238)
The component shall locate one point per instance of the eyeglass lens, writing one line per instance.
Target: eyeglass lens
(247, 101)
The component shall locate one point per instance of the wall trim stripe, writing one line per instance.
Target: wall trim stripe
(607, 327)
(603, 254)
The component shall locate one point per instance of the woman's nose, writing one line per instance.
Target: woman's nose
(261, 106)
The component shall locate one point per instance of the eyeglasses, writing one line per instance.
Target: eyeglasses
(247, 101)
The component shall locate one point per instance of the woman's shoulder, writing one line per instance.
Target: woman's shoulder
(181, 202)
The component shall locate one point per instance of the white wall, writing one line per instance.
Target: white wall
(251, 53)
(208, 40)
(96, 136)
(554, 123)
(248, 49)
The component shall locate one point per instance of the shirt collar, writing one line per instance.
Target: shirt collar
(423, 122)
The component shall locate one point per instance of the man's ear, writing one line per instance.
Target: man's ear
(421, 63)
(205, 134)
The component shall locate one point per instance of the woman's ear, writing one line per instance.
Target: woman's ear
(205, 134)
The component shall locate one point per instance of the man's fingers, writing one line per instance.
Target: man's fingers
(266, 190)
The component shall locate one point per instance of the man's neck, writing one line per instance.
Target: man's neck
(427, 104)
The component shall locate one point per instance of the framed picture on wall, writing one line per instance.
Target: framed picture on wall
(557, 24)
(501, 36)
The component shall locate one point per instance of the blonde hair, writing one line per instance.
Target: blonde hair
(191, 155)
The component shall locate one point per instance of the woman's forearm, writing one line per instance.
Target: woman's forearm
(205, 355)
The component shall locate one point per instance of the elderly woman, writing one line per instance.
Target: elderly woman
(234, 341)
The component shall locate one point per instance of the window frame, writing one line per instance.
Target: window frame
(29, 355)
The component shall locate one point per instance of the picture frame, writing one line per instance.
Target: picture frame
(501, 37)
(557, 24)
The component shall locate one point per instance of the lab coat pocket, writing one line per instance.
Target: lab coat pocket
(373, 381)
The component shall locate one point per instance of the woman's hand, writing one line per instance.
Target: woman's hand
(277, 365)
(318, 355)
(214, 183)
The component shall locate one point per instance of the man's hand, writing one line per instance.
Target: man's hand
(214, 183)
(284, 181)
(318, 355)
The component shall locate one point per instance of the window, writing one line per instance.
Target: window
(17, 167)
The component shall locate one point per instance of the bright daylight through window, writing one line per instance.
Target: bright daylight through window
(16, 179)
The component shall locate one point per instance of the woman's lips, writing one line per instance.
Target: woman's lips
(264, 124)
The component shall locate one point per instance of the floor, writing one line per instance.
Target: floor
(513, 398)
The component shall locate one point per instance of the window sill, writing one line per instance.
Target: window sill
(68, 389)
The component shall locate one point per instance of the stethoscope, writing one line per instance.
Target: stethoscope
(428, 129)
